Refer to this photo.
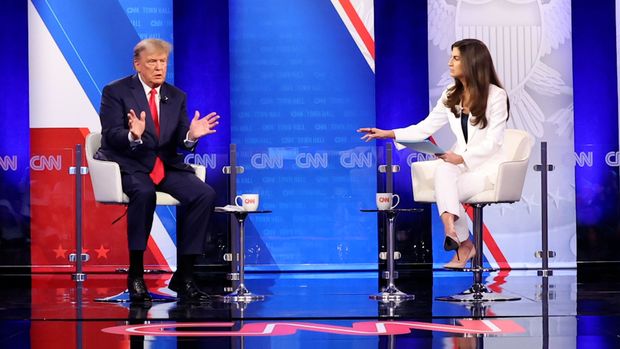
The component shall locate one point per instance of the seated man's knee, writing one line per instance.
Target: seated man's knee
(143, 194)
(203, 192)
(207, 192)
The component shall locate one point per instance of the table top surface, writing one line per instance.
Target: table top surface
(394, 210)
(223, 210)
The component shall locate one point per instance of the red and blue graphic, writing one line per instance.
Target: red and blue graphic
(73, 54)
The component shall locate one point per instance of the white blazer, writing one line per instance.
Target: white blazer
(482, 151)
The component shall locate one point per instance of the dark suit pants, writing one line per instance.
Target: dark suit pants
(197, 201)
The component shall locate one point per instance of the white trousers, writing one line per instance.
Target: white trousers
(453, 185)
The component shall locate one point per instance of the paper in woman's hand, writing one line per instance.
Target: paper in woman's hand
(423, 147)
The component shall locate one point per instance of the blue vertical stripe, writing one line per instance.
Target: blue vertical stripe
(402, 100)
(596, 126)
(14, 133)
(202, 71)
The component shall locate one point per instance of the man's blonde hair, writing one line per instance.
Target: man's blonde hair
(151, 44)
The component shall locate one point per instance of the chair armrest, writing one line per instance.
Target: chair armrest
(510, 180)
(423, 180)
(201, 172)
(106, 179)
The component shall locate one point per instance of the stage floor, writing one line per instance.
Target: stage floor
(315, 310)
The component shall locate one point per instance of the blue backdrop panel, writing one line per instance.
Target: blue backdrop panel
(299, 89)
(402, 100)
(14, 136)
(152, 19)
(596, 128)
(202, 71)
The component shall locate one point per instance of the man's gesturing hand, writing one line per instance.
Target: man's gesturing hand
(202, 126)
(136, 123)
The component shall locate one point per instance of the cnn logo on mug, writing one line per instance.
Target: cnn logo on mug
(249, 202)
(384, 201)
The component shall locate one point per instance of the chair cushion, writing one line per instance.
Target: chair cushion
(484, 197)
(506, 186)
(166, 199)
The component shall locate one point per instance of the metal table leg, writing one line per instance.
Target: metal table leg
(241, 293)
(391, 292)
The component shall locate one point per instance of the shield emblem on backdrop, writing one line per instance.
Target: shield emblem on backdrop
(512, 31)
(519, 33)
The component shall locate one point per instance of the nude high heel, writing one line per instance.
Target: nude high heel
(451, 244)
(460, 263)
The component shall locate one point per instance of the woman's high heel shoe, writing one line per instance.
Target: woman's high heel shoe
(460, 263)
(450, 244)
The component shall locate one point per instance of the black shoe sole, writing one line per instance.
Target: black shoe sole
(449, 244)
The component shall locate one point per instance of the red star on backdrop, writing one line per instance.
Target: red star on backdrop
(102, 252)
(60, 252)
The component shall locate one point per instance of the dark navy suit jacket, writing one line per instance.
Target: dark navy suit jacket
(117, 99)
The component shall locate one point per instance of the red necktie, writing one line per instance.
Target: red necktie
(157, 174)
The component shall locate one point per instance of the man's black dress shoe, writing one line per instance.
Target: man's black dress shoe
(188, 291)
(175, 281)
(137, 290)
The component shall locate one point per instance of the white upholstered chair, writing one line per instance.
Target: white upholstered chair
(106, 177)
(516, 149)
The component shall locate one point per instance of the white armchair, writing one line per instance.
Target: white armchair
(516, 149)
(106, 177)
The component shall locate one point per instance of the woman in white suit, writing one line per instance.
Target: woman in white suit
(476, 109)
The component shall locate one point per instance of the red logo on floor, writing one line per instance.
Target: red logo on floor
(375, 328)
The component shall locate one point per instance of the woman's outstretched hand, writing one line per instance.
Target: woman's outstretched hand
(371, 133)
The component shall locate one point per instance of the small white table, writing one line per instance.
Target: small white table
(391, 292)
(241, 293)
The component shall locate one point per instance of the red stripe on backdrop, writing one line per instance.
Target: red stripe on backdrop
(490, 242)
(359, 26)
(156, 251)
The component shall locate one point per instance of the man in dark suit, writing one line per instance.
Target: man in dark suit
(144, 121)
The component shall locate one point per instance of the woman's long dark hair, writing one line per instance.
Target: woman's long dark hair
(479, 73)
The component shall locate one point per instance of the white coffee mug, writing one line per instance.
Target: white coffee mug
(248, 201)
(384, 201)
